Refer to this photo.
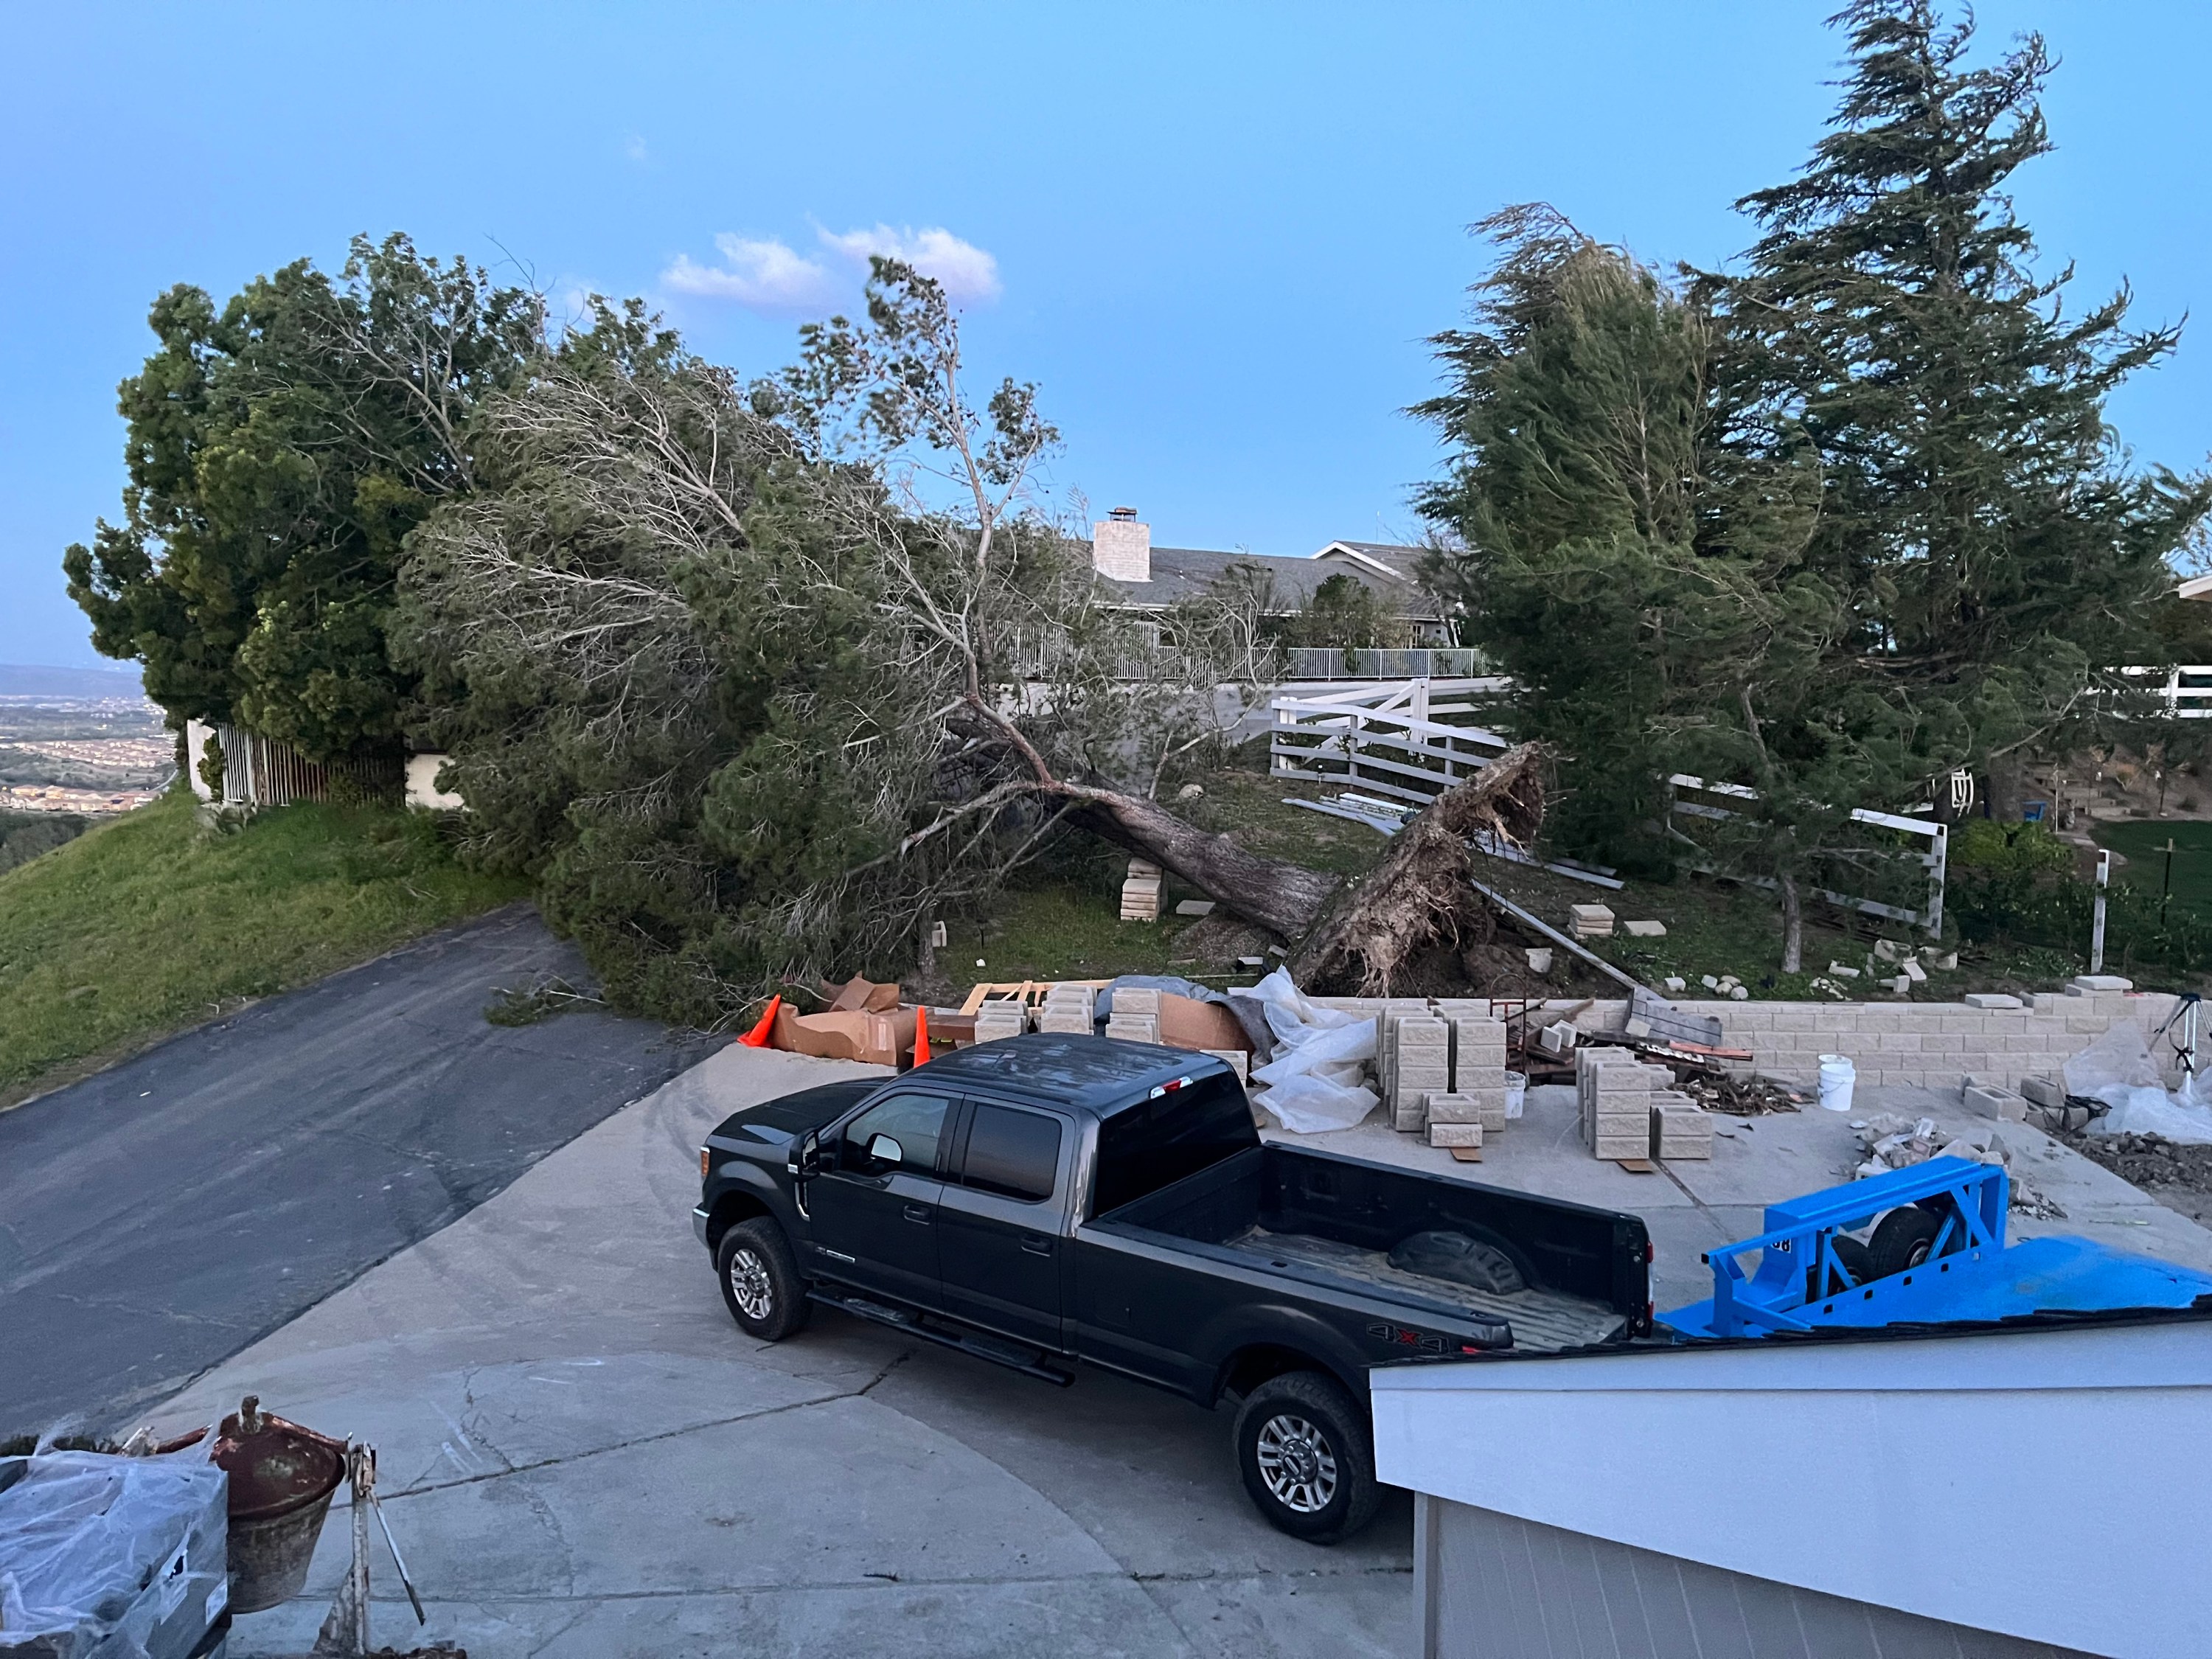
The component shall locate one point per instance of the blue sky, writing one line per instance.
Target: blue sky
(1217, 236)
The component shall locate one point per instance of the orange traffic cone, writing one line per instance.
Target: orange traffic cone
(758, 1037)
(921, 1037)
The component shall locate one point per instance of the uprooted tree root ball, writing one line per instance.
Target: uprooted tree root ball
(1422, 894)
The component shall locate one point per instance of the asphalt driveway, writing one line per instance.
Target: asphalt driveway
(581, 1455)
(158, 1217)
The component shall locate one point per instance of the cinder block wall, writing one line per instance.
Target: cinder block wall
(1932, 1044)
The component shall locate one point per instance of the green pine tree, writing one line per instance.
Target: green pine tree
(1999, 553)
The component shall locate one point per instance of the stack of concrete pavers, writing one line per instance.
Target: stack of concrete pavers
(1590, 920)
(1420, 1065)
(1478, 1093)
(1679, 1126)
(1140, 893)
(1135, 1016)
(1386, 1013)
(995, 1020)
(1615, 1091)
(1068, 1010)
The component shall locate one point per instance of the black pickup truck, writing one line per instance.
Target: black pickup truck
(1044, 1200)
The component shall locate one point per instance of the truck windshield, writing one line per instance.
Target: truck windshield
(1156, 1142)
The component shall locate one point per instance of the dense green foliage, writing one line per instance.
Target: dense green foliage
(1828, 527)
(279, 450)
(2014, 883)
(24, 835)
(743, 714)
(147, 923)
(1999, 555)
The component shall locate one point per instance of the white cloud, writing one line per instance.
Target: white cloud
(966, 271)
(761, 275)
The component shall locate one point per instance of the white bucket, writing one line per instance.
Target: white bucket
(1517, 1092)
(1837, 1077)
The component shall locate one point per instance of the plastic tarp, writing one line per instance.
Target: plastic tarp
(107, 1557)
(1314, 1083)
(2119, 1070)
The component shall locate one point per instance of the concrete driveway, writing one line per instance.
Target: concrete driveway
(158, 1217)
(581, 1455)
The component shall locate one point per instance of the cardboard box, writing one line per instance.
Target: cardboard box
(877, 1039)
(1186, 1022)
(859, 995)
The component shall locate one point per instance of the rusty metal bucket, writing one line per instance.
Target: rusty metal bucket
(282, 1477)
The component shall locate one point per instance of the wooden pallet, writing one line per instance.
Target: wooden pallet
(1024, 992)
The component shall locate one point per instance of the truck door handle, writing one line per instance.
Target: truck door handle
(918, 1212)
(1037, 1246)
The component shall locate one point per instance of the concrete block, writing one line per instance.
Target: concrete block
(1455, 1135)
(1645, 929)
(1619, 1146)
(1409, 1117)
(1134, 1027)
(1989, 1100)
(1989, 1000)
(2043, 1090)
(2093, 982)
(1136, 1000)
(1630, 1080)
(1590, 920)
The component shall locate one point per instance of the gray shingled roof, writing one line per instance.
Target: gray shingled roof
(1181, 573)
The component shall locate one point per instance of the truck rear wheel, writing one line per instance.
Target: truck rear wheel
(760, 1280)
(1308, 1457)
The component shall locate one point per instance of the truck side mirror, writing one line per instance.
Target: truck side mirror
(882, 1149)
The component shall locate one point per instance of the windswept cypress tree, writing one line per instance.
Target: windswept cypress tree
(1999, 553)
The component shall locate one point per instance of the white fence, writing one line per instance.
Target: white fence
(1410, 739)
(2187, 693)
(1695, 798)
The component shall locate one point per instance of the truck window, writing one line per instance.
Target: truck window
(1157, 1142)
(914, 1121)
(1013, 1153)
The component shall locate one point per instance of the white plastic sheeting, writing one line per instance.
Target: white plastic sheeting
(2117, 1069)
(124, 1558)
(1316, 1082)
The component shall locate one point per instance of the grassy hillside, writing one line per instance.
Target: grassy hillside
(148, 924)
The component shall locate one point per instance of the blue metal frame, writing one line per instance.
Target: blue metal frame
(1797, 1262)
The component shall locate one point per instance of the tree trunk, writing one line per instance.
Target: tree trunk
(1278, 896)
(1793, 927)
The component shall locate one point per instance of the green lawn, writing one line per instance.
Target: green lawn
(2143, 847)
(149, 924)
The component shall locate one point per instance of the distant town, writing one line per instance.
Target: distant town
(85, 742)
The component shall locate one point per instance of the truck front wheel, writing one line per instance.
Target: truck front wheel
(1307, 1457)
(760, 1279)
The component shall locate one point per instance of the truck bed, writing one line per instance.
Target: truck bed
(1543, 1322)
(1331, 1222)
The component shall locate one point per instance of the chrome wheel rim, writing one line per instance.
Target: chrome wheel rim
(1297, 1463)
(749, 1285)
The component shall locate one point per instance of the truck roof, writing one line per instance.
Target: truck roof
(1090, 1073)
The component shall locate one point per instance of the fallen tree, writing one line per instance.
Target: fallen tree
(761, 680)
(1422, 894)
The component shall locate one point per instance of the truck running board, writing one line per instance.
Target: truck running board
(1014, 1356)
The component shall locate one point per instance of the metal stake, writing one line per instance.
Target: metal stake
(2097, 927)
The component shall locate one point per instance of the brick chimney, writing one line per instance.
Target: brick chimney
(1122, 547)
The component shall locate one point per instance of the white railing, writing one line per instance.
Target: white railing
(1696, 798)
(1400, 739)
(2187, 693)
